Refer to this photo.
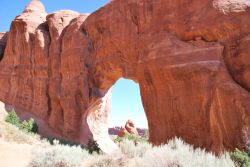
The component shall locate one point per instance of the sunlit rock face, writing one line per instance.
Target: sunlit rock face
(25, 63)
(190, 59)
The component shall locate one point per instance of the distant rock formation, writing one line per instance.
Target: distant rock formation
(190, 58)
(130, 127)
(122, 132)
(116, 130)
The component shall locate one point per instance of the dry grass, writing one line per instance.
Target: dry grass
(11, 133)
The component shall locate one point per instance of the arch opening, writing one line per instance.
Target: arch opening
(105, 118)
(126, 105)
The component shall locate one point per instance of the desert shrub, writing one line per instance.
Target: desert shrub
(157, 157)
(241, 158)
(177, 153)
(122, 158)
(131, 150)
(135, 138)
(13, 119)
(113, 160)
(92, 147)
(29, 126)
(58, 155)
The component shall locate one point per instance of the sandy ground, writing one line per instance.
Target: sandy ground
(3, 111)
(14, 155)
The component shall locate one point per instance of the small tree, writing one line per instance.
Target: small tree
(29, 126)
(93, 146)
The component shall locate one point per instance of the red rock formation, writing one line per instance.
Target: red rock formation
(190, 59)
(58, 23)
(97, 121)
(3, 40)
(24, 68)
(74, 97)
(177, 51)
(122, 132)
(130, 127)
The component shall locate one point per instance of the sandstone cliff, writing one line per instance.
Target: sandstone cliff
(3, 40)
(190, 58)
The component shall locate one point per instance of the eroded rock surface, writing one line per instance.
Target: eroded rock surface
(3, 40)
(130, 127)
(190, 58)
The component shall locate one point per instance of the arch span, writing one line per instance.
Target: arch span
(186, 81)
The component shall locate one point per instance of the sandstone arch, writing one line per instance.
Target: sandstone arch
(190, 59)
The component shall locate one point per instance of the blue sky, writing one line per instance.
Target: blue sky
(126, 104)
(11, 8)
(126, 100)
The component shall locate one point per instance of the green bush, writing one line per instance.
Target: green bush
(241, 157)
(13, 119)
(29, 126)
(93, 147)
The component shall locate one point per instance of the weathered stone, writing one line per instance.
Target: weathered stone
(130, 127)
(3, 40)
(97, 121)
(74, 97)
(24, 68)
(190, 58)
(58, 23)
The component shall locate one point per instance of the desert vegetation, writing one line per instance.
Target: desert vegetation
(26, 125)
(134, 151)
